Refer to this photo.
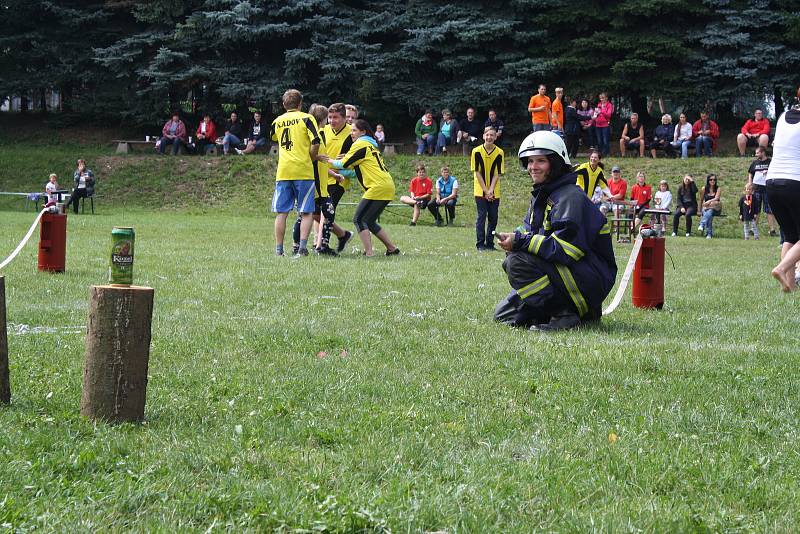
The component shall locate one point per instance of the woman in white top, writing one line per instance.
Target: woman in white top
(683, 136)
(783, 191)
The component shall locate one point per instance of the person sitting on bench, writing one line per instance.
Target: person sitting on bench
(84, 186)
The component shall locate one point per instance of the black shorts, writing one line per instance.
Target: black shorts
(753, 141)
(423, 203)
(784, 199)
(335, 193)
(761, 198)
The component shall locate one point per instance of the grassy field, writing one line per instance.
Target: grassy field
(358, 394)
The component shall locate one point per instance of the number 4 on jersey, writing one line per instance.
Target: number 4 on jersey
(286, 140)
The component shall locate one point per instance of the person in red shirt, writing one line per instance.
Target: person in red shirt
(206, 135)
(540, 109)
(755, 132)
(618, 187)
(421, 189)
(641, 193)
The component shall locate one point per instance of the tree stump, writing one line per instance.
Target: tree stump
(5, 384)
(117, 353)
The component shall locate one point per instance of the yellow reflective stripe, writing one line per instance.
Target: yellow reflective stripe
(536, 242)
(572, 251)
(606, 229)
(533, 287)
(572, 289)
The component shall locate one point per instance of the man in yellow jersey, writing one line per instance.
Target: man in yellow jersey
(338, 141)
(352, 113)
(488, 165)
(298, 145)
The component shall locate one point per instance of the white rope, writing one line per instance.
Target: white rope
(623, 283)
(24, 239)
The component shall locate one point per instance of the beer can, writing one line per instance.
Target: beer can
(120, 270)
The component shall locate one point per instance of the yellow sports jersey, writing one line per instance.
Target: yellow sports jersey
(589, 179)
(321, 171)
(367, 162)
(337, 143)
(489, 164)
(294, 132)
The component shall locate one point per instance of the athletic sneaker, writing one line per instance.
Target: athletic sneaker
(773, 233)
(708, 236)
(674, 234)
(295, 248)
(240, 152)
(439, 222)
(343, 241)
(326, 251)
(301, 252)
(700, 228)
(394, 252)
(688, 234)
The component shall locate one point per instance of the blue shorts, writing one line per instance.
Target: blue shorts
(287, 192)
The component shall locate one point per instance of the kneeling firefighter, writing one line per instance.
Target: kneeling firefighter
(560, 263)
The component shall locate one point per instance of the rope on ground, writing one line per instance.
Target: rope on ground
(24, 239)
(626, 277)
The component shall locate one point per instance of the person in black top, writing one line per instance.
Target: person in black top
(757, 175)
(572, 127)
(662, 137)
(686, 205)
(632, 137)
(470, 132)
(258, 135)
(234, 132)
(497, 124)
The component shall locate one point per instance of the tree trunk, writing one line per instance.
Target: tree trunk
(5, 384)
(117, 353)
(779, 107)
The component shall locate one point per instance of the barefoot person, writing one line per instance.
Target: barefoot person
(783, 190)
(367, 161)
(561, 265)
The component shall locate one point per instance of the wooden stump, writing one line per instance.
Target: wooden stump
(5, 384)
(117, 353)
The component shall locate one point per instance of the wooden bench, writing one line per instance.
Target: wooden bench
(124, 146)
(390, 149)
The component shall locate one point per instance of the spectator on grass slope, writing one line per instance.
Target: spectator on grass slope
(602, 124)
(258, 135)
(425, 131)
(446, 195)
(686, 205)
(586, 116)
(448, 132)
(470, 132)
(663, 136)
(755, 132)
(706, 133)
(757, 175)
(497, 125)
(234, 133)
(711, 206)
(632, 137)
(682, 137)
(173, 133)
(206, 135)
(748, 212)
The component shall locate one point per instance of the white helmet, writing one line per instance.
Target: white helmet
(542, 143)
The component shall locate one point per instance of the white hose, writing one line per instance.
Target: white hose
(24, 239)
(626, 277)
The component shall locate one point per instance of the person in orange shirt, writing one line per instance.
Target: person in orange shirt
(557, 118)
(540, 109)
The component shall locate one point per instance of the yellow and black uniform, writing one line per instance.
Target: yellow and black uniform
(367, 162)
(337, 143)
(295, 132)
(488, 164)
(321, 171)
(589, 179)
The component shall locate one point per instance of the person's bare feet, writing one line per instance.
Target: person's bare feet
(786, 279)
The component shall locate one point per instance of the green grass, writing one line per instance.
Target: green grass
(423, 416)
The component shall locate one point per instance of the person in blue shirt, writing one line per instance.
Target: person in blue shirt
(446, 195)
(448, 132)
(560, 263)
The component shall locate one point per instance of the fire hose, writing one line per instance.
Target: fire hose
(626, 277)
(24, 239)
